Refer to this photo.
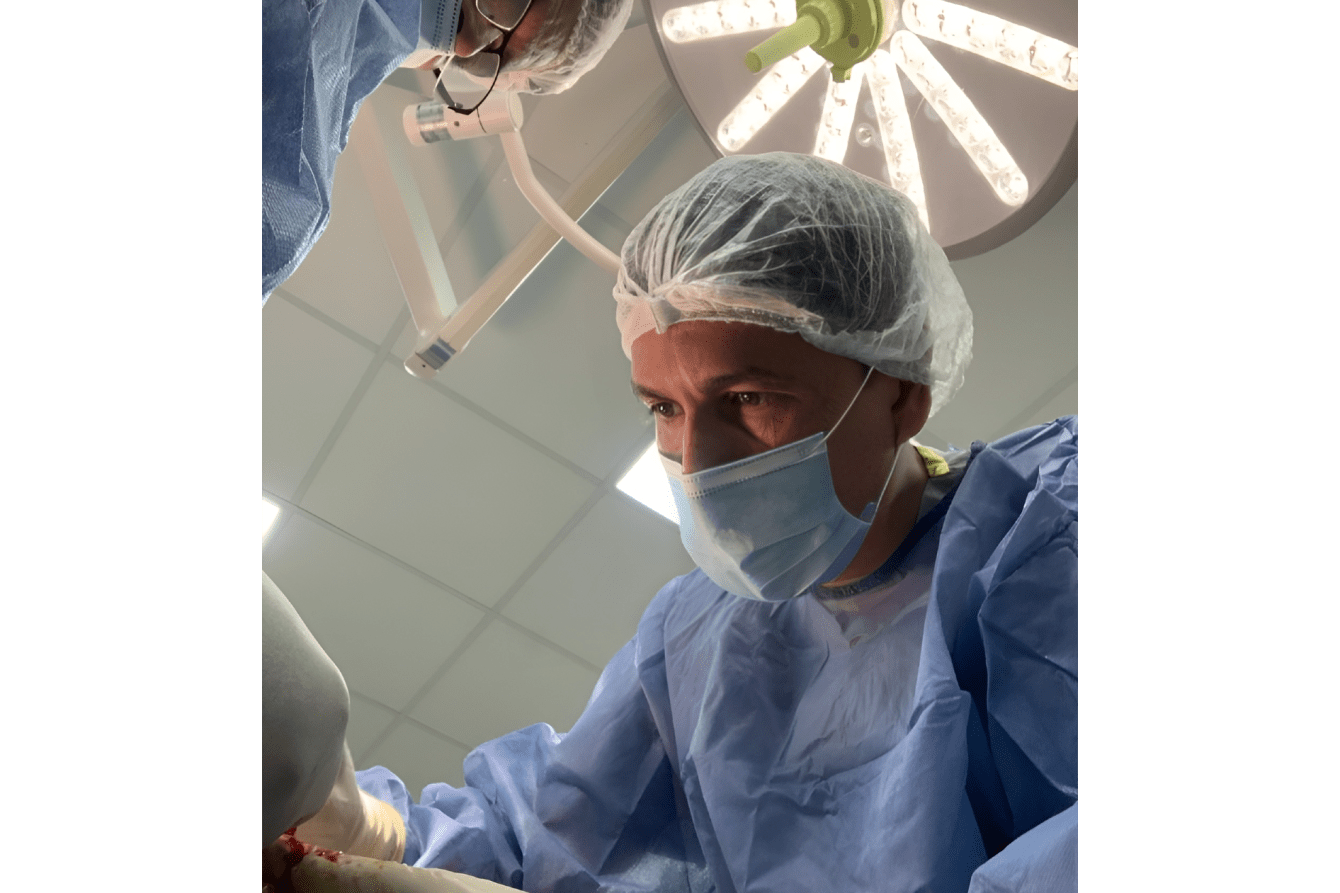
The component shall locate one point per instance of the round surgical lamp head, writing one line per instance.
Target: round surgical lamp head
(970, 109)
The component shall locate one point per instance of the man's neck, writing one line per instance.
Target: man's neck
(894, 520)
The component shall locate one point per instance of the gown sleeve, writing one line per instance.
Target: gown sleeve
(1044, 859)
(1014, 607)
(319, 60)
(542, 810)
(1029, 627)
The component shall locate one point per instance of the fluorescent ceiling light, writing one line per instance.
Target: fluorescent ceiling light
(269, 511)
(646, 482)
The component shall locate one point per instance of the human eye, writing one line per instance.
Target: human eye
(747, 398)
(662, 408)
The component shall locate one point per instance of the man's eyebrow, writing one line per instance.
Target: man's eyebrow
(645, 394)
(752, 375)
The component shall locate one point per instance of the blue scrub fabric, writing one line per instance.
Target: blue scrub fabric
(319, 60)
(736, 745)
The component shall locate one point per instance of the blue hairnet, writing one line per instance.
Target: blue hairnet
(801, 245)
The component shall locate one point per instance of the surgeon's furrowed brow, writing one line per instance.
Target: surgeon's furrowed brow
(646, 395)
(754, 375)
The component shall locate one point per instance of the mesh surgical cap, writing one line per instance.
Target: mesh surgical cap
(575, 36)
(801, 245)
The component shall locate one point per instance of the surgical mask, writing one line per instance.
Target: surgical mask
(770, 526)
(439, 23)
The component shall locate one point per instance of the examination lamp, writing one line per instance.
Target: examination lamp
(444, 331)
(971, 111)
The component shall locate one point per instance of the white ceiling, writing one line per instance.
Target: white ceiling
(459, 547)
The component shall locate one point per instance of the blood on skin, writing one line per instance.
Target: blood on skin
(297, 849)
(292, 852)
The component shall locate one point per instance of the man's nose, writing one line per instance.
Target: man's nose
(703, 446)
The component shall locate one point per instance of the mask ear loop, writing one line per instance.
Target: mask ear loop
(871, 508)
(868, 372)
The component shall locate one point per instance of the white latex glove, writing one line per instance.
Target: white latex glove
(355, 822)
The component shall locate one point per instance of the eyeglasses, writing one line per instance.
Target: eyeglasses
(464, 82)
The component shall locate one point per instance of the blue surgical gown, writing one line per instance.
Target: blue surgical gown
(737, 745)
(319, 60)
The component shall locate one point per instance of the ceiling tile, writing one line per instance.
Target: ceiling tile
(308, 373)
(678, 153)
(569, 129)
(446, 172)
(549, 363)
(504, 681)
(387, 629)
(418, 757)
(435, 485)
(1066, 402)
(348, 274)
(367, 721)
(494, 226)
(404, 344)
(590, 593)
(1024, 299)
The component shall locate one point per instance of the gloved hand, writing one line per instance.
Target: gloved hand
(354, 822)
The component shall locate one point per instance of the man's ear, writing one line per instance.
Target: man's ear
(911, 410)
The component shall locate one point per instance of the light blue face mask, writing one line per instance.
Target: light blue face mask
(770, 526)
(439, 23)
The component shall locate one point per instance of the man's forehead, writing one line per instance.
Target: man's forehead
(745, 375)
(713, 355)
(723, 340)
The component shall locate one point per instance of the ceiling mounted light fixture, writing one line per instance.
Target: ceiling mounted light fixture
(646, 482)
(269, 511)
(969, 109)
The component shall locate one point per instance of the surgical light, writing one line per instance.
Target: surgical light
(763, 102)
(835, 122)
(996, 39)
(645, 481)
(962, 118)
(969, 109)
(704, 20)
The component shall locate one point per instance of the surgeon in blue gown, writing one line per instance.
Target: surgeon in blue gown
(870, 681)
(321, 59)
